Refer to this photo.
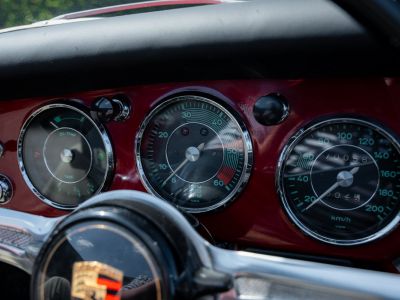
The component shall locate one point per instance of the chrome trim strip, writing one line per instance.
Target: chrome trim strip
(37, 228)
(132, 6)
(46, 23)
(309, 276)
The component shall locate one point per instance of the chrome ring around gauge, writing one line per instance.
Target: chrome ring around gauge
(194, 153)
(65, 156)
(339, 181)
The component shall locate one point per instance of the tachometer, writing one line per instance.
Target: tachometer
(194, 153)
(340, 181)
(64, 156)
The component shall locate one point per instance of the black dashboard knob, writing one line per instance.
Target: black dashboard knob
(107, 109)
(1, 149)
(271, 109)
(6, 190)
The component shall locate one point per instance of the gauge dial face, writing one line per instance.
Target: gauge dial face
(194, 153)
(340, 181)
(64, 156)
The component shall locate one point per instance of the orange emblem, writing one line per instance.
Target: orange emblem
(93, 280)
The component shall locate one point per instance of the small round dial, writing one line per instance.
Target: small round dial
(6, 189)
(340, 181)
(64, 155)
(194, 153)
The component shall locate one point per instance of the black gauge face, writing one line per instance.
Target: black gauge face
(193, 153)
(340, 181)
(64, 156)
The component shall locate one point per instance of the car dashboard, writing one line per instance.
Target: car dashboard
(249, 142)
(242, 202)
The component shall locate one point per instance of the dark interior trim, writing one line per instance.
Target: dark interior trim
(256, 39)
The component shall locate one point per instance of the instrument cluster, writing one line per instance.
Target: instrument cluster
(259, 164)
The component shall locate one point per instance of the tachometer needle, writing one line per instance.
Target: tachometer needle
(344, 179)
(189, 157)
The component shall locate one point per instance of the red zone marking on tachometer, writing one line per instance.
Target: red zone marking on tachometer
(226, 174)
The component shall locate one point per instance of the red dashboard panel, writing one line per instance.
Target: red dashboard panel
(256, 219)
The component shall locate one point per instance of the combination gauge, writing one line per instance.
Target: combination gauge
(65, 156)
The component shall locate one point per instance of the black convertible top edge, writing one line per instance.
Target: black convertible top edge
(256, 39)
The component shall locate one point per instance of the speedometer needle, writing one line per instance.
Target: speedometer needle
(190, 156)
(344, 179)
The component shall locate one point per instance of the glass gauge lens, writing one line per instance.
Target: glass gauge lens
(64, 156)
(101, 259)
(340, 181)
(194, 153)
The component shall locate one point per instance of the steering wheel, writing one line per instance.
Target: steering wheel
(137, 244)
(131, 245)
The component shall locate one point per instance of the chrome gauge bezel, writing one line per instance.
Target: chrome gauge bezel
(293, 141)
(248, 149)
(80, 108)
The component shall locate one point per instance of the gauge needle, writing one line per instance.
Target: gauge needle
(190, 156)
(344, 179)
(54, 125)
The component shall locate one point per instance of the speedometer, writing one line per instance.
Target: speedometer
(194, 153)
(340, 181)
